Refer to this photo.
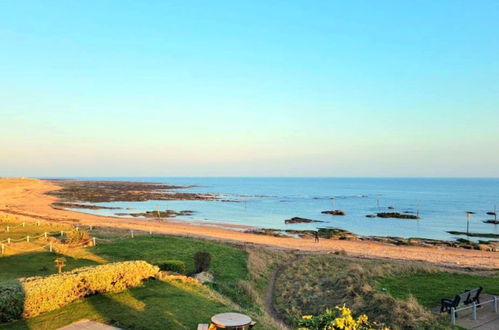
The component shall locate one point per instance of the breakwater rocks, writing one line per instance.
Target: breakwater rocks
(396, 215)
(483, 235)
(299, 220)
(159, 214)
(341, 234)
(334, 212)
(122, 191)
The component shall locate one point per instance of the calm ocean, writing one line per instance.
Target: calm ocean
(267, 202)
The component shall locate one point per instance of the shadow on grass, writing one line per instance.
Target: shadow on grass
(158, 305)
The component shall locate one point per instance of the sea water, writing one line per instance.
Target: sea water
(441, 203)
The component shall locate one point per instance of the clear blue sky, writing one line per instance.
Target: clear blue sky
(250, 88)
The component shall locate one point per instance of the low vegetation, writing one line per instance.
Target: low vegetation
(175, 266)
(29, 297)
(387, 292)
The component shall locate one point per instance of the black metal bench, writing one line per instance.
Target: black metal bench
(465, 298)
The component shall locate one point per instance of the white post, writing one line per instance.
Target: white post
(76, 228)
(93, 240)
(8, 228)
(62, 233)
(8, 240)
(50, 247)
(131, 233)
(494, 305)
(45, 234)
(27, 238)
(91, 227)
(453, 316)
(473, 312)
(38, 223)
(3, 248)
(150, 232)
(24, 224)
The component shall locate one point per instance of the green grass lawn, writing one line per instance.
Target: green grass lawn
(429, 287)
(156, 305)
(36, 264)
(228, 263)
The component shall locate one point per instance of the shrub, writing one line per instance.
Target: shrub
(11, 301)
(202, 261)
(337, 318)
(36, 295)
(78, 237)
(176, 266)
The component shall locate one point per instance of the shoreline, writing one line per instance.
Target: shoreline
(28, 198)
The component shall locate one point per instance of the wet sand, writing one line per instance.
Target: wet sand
(27, 198)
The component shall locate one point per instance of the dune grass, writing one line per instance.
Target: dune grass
(429, 287)
(156, 305)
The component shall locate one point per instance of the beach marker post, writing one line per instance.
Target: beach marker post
(3, 249)
(45, 234)
(131, 233)
(50, 247)
(468, 217)
(27, 238)
(7, 229)
(8, 240)
(24, 224)
(94, 241)
(38, 223)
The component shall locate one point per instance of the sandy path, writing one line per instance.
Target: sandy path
(27, 197)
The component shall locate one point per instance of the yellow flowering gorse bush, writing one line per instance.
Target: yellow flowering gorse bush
(338, 318)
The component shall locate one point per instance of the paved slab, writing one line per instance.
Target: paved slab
(88, 325)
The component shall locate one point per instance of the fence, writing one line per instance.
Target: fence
(453, 312)
(8, 243)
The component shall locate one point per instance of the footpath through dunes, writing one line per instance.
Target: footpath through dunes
(28, 198)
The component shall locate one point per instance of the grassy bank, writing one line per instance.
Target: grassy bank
(241, 277)
(156, 305)
(393, 293)
(429, 287)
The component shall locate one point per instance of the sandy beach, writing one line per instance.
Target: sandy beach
(27, 199)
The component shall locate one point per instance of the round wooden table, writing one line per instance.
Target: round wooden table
(231, 320)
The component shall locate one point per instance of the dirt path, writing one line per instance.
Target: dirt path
(27, 199)
(269, 294)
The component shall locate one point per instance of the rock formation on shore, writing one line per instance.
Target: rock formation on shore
(334, 212)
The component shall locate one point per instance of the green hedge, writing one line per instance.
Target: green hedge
(32, 296)
(176, 266)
